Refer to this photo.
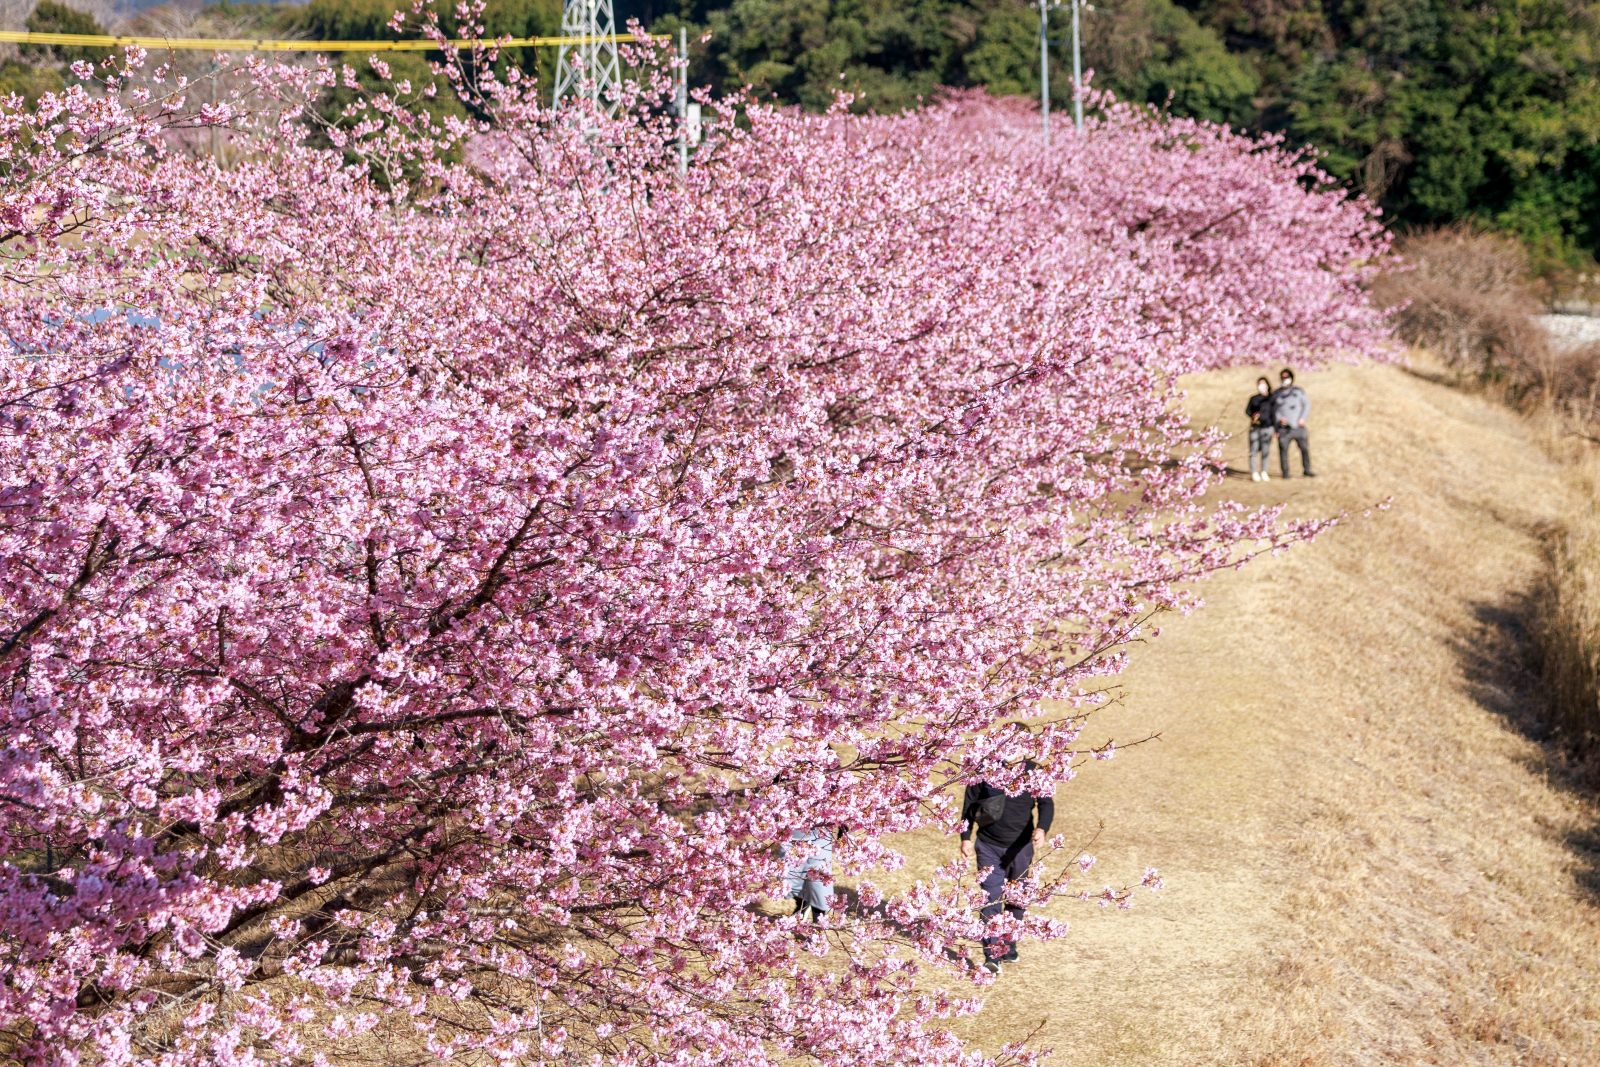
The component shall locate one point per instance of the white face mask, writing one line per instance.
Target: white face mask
(1285, 383)
(1263, 388)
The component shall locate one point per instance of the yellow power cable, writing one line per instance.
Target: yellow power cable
(244, 44)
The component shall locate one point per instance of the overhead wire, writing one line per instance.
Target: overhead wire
(266, 44)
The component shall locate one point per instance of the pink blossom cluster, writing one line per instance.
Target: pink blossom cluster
(425, 603)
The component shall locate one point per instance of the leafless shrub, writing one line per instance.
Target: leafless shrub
(1472, 297)
(1469, 296)
(1567, 383)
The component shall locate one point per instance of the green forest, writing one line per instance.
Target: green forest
(1440, 110)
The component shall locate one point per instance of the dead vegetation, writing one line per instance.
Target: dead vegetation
(1566, 610)
(1470, 297)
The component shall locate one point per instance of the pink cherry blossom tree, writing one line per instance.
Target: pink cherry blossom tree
(425, 603)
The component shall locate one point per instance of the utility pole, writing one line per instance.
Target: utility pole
(1044, 64)
(683, 100)
(1077, 70)
(589, 68)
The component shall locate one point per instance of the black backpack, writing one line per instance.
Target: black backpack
(989, 810)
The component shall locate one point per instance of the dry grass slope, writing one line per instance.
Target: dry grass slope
(1368, 857)
(1566, 616)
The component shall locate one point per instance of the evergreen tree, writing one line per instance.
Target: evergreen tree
(51, 17)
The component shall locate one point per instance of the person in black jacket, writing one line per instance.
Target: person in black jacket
(1260, 409)
(1005, 847)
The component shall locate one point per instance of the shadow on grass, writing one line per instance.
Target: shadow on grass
(1436, 377)
(848, 906)
(1499, 661)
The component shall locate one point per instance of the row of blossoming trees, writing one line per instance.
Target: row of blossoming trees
(424, 602)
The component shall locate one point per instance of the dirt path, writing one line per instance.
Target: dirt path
(1367, 861)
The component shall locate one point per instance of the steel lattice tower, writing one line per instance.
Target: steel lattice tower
(590, 68)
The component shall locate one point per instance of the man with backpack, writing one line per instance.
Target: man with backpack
(1291, 408)
(1006, 836)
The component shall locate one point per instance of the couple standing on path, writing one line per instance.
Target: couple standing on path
(1280, 413)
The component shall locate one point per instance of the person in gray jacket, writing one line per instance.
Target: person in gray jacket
(1290, 410)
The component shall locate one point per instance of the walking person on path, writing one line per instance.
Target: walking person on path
(1006, 837)
(1290, 410)
(1259, 409)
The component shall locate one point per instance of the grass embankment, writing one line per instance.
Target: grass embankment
(1472, 298)
(1371, 856)
(1566, 615)
(1569, 633)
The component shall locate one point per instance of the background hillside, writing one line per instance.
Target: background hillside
(1441, 110)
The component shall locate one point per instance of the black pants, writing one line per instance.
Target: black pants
(1007, 863)
(1300, 436)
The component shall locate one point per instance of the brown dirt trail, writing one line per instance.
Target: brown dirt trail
(1368, 859)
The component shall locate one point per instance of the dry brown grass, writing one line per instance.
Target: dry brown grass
(1469, 296)
(1370, 857)
(1568, 632)
(1566, 605)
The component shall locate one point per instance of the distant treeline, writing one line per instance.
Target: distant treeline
(1442, 110)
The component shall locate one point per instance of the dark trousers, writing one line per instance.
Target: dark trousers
(1007, 863)
(1300, 436)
